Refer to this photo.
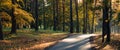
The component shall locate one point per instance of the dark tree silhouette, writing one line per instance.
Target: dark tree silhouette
(106, 21)
(44, 21)
(63, 7)
(77, 19)
(36, 15)
(54, 15)
(92, 30)
(1, 32)
(71, 18)
(57, 14)
(85, 16)
(14, 26)
(32, 3)
(25, 4)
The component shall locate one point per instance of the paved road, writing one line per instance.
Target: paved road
(76, 42)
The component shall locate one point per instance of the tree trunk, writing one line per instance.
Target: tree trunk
(92, 30)
(63, 7)
(44, 21)
(77, 19)
(25, 4)
(1, 31)
(32, 7)
(85, 17)
(14, 25)
(71, 18)
(36, 15)
(57, 14)
(54, 15)
(106, 21)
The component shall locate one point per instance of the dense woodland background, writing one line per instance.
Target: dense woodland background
(73, 16)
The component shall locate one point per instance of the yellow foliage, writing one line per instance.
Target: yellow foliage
(22, 17)
(5, 16)
(19, 13)
(6, 19)
(5, 4)
(6, 24)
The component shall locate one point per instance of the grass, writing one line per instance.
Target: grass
(113, 45)
(40, 31)
(30, 40)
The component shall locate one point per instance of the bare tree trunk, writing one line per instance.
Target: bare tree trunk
(92, 30)
(1, 31)
(63, 7)
(32, 7)
(71, 18)
(57, 14)
(14, 25)
(36, 15)
(85, 17)
(25, 3)
(44, 21)
(54, 15)
(106, 22)
(77, 19)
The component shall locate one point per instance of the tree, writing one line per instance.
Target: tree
(85, 16)
(77, 19)
(13, 11)
(1, 31)
(25, 4)
(36, 15)
(14, 25)
(32, 8)
(54, 15)
(106, 21)
(71, 18)
(63, 7)
(92, 30)
(44, 21)
(57, 14)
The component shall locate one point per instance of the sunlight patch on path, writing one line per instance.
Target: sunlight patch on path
(108, 47)
(40, 46)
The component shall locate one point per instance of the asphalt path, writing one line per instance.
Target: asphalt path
(75, 42)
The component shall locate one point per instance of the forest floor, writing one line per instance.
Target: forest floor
(113, 45)
(30, 40)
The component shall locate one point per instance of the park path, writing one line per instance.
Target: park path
(75, 42)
